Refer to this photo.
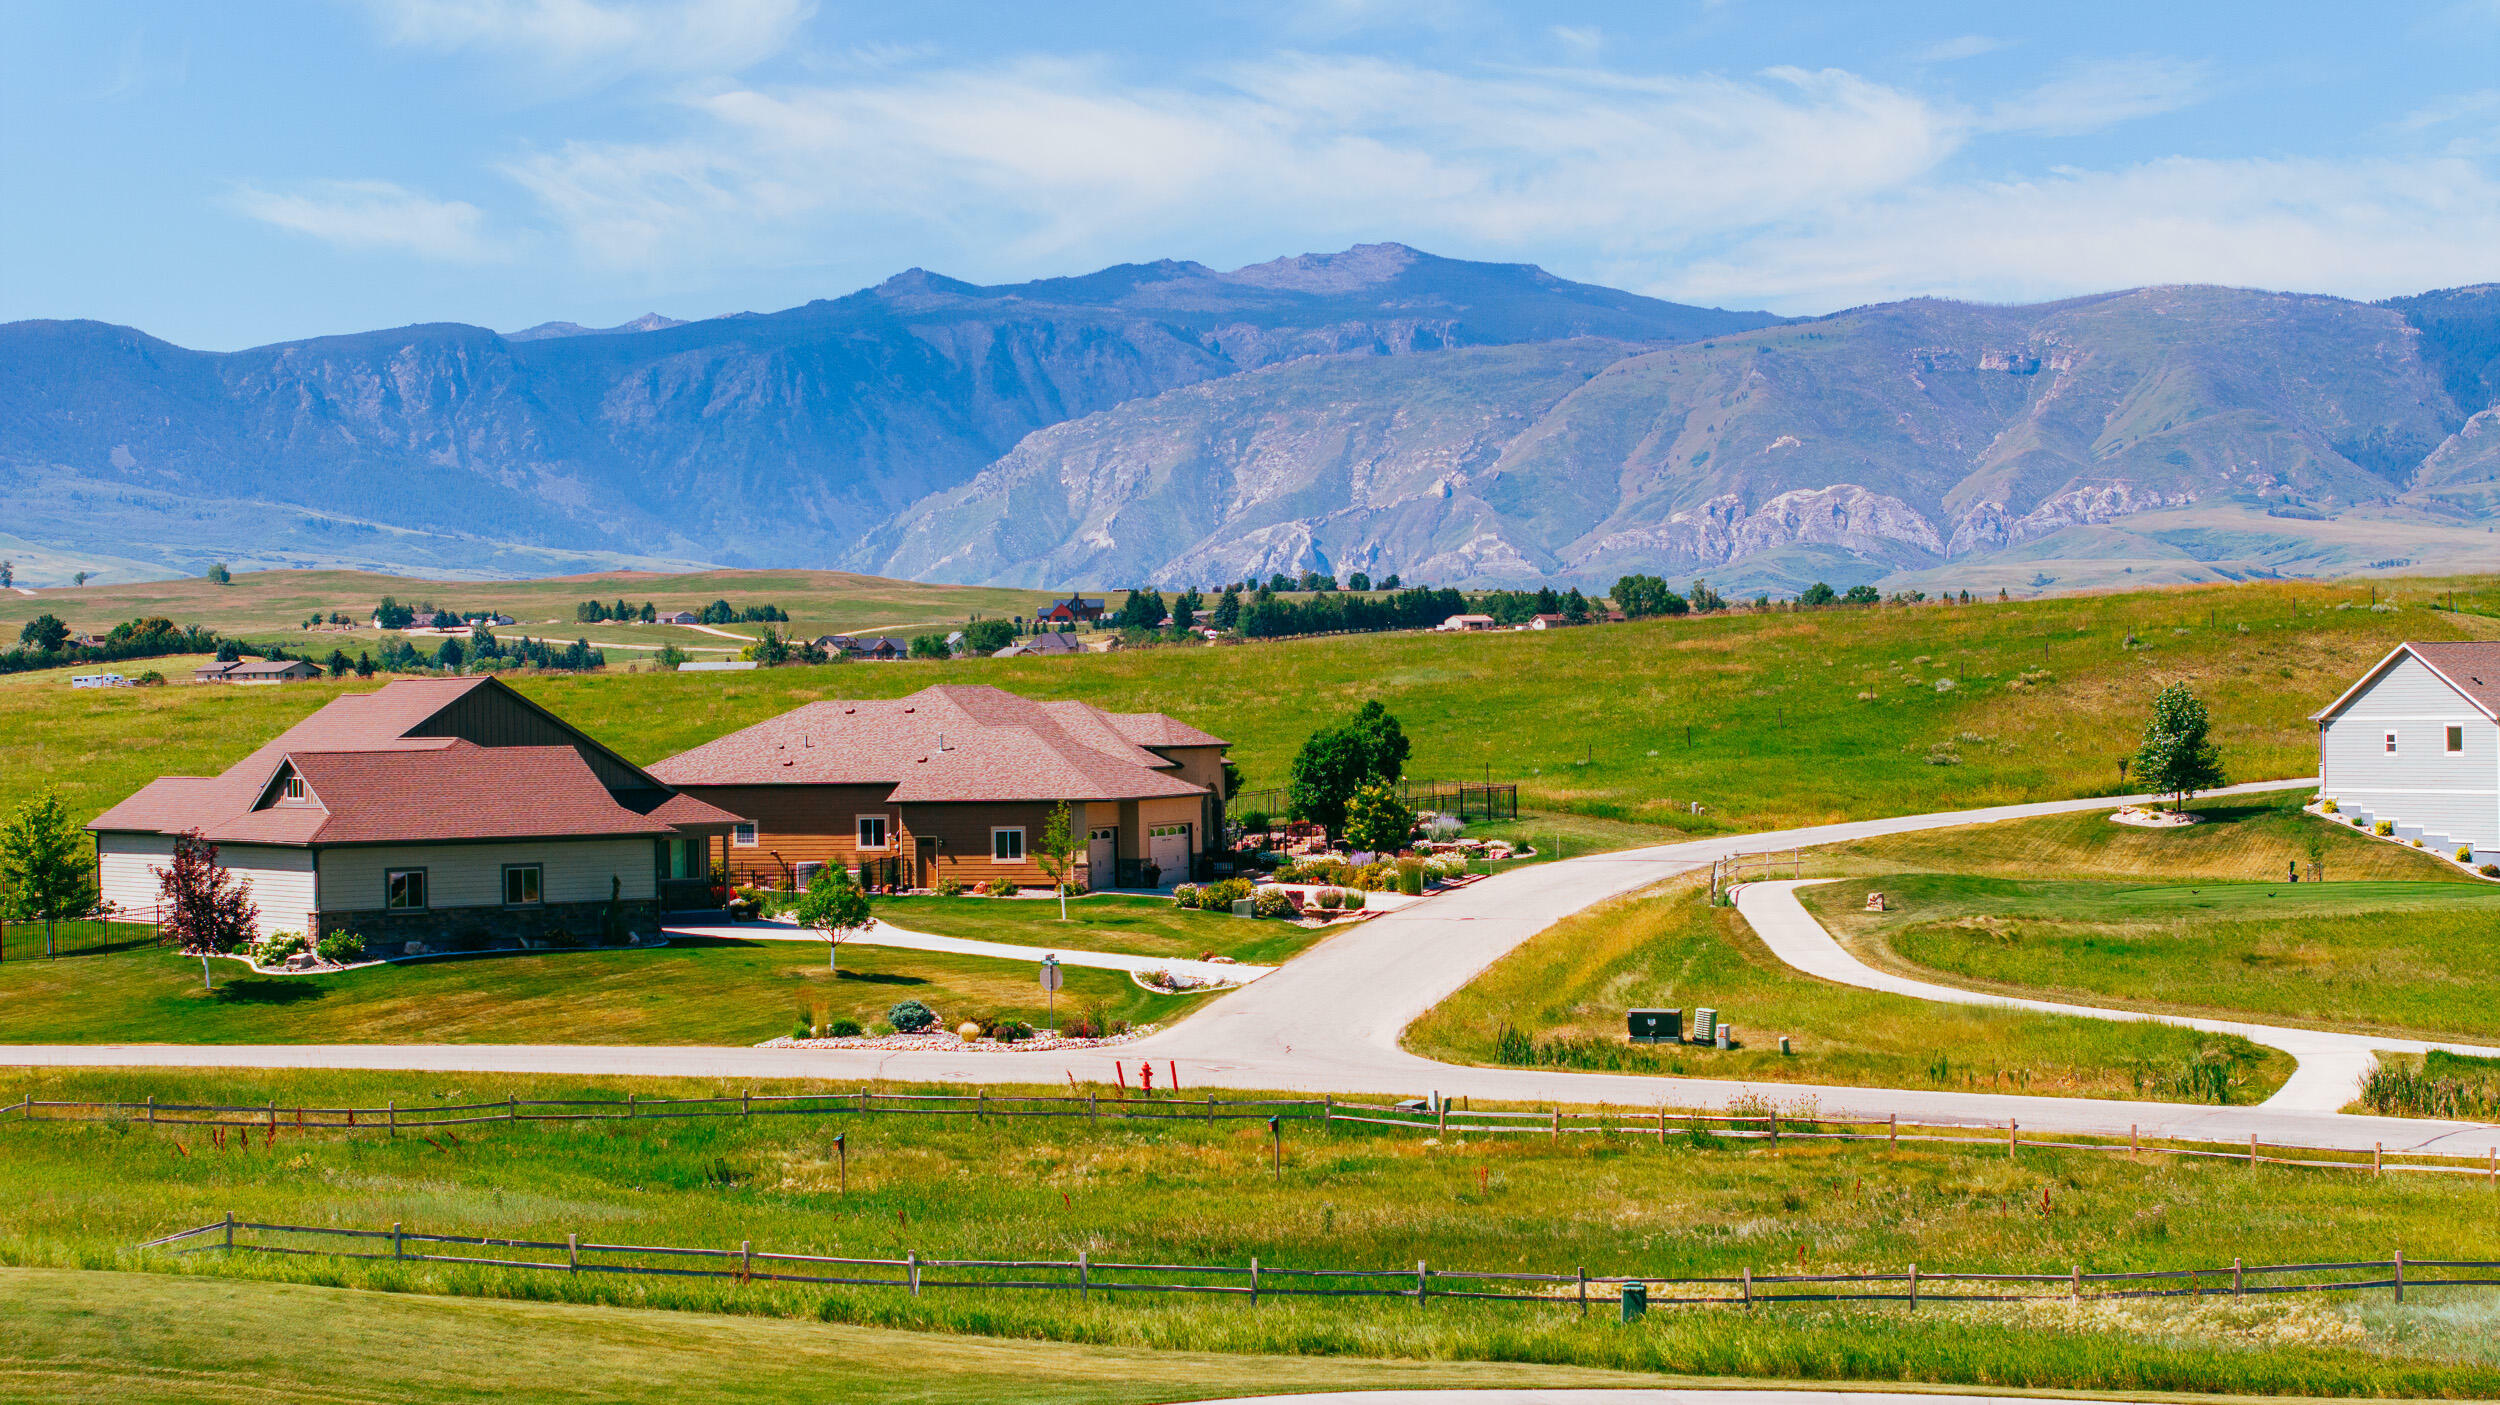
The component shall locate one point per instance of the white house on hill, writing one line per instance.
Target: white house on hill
(2417, 743)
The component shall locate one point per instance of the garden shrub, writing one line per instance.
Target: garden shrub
(1000, 888)
(1010, 1031)
(1411, 877)
(949, 888)
(2383, 828)
(1354, 900)
(277, 947)
(1271, 902)
(2489, 870)
(1185, 895)
(804, 1029)
(911, 1017)
(341, 948)
(843, 1028)
(1254, 822)
(2465, 853)
(2327, 807)
(1220, 897)
(1330, 899)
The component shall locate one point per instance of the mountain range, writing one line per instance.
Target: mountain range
(1379, 409)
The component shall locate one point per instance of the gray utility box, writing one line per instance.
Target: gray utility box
(1705, 1024)
(1244, 907)
(1656, 1026)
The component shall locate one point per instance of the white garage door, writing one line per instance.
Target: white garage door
(1167, 845)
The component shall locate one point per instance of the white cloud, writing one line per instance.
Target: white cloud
(2090, 96)
(2366, 228)
(664, 36)
(375, 215)
(1582, 40)
(1044, 157)
(1968, 46)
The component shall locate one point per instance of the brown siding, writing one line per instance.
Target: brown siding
(796, 824)
(963, 835)
(490, 716)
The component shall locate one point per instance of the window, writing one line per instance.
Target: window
(404, 890)
(2456, 739)
(2391, 743)
(295, 784)
(1007, 845)
(872, 831)
(743, 834)
(680, 859)
(520, 885)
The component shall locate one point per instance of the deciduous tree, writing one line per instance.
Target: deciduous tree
(2177, 757)
(1335, 761)
(1055, 851)
(202, 907)
(1375, 819)
(834, 908)
(44, 872)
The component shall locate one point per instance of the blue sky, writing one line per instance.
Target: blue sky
(229, 175)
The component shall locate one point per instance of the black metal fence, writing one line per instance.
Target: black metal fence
(38, 941)
(1469, 801)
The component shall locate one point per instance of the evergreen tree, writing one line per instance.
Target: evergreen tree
(1228, 609)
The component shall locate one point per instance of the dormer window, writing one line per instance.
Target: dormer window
(295, 788)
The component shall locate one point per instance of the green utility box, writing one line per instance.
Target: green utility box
(1656, 1026)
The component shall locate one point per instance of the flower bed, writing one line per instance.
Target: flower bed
(2143, 818)
(945, 1041)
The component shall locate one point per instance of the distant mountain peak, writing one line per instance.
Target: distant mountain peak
(1363, 266)
(921, 282)
(648, 322)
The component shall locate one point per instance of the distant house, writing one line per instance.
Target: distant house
(680, 617)
(256, 671)
(1465, 623)
(1547, 622)
(1052, 645)
(881, 650)
(449, 811)
(1076, 609)
(960, 781)
(2416, 743)
(835, 645)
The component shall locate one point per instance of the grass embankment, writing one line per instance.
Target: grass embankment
(2393, 942)
(1114, 922)
(79, 1195)
(692, 992)
(1566, 991)
(1759, 717)
(271, 606)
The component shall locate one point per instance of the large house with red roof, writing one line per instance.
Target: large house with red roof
(959, 781)
(448, 811)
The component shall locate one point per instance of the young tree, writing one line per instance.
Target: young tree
(364, 665)
(217, 572)
(202, 907)
(44, 873)
(8, 574)
(982, 637)
(1705, 600)
(337, 663)
(929, 646)
(669, 657)
(834, 908)
(44, 634)
(1055, 851)
(1376, 820)
(769, 648)
(81, 577)
(2177, 757)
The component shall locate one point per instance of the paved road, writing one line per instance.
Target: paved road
(1329, 1022)
(2329, 1064)
(883, 933)
(1535, 1396)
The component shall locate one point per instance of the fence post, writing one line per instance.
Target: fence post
(746, 1260)
(230, 1229)
(2252, 1151)
(273, 1118)
(573, 1251)
(2238, 1287)
(2400, 1275)
(629, 1106)
(2076, 1293)
(1914, 1287)
(151, 1109)
(1748, 1272)
(980, 1102)
(394, 1109)
(1774, 1120)
(1327, 1109)
(911, 1263)
(399, 1248)
(746, 1103)
(511, 1107)
(1085, 1275)
(1441, 1115)
(1583, 1273)
(2378, 1158)
(1254, 1280)
(1558, 1124)
(1662, 1124)
(1420, 1282)
(2013, 1137)
(1092, 1110)
(2134, 1144)
(1892, 1129)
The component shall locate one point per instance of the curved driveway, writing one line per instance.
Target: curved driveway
(1330, 1020)
(2329, 1064)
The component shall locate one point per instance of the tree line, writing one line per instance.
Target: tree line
(718, 612)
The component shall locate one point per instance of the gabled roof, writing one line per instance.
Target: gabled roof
(373, 782)
(2471, 668)
(948, 743)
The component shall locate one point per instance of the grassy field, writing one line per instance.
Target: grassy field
(1758, 717)
(691, 992)
(271, 606)
(2180, 921)
(1104, 922)
(78, 1196)
(1567, 990)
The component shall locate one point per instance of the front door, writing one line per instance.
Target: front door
(1102, 858)
(924, 850)
(1167, 847)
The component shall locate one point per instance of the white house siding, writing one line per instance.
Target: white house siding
(281, 879)
(471, 875)
(2426, 791)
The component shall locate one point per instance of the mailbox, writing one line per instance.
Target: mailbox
(1656, 1026)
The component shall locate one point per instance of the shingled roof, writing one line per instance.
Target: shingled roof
(372, 783)
(2470, 667)
(951, 743)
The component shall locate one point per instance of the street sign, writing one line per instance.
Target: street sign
(1052, 976)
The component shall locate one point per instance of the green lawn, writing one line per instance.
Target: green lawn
(1104, 922)
(1758, 717)
(79, 1195)
(1567, 990)
(2410, 958)
(694, 991)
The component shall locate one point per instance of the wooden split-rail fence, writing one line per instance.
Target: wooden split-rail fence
(1085, 1275)
(1435, 1114)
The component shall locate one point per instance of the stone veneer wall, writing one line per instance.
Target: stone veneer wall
(482, 928)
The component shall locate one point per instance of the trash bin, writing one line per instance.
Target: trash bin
(1635, 1301)
(1656, 1026)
